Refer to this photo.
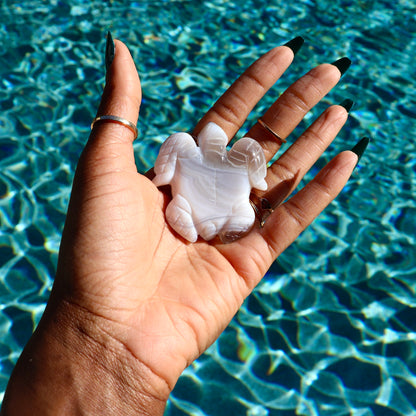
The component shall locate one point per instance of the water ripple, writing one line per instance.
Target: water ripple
(331, 329)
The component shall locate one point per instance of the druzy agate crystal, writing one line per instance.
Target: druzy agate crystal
(210, 185)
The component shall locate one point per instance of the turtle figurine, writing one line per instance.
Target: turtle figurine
(210, 185)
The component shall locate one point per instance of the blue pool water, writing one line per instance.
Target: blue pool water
(331, 329)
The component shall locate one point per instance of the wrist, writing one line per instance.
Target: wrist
(72, 365)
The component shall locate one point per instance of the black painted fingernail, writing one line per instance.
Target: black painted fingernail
(342, 64)
(295, 44)
(109, 51)
(347, 104)
(360, 147)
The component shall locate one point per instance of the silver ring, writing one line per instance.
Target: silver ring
(119, 120)
(264, 125)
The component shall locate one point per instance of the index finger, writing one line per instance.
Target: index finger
(233, 107)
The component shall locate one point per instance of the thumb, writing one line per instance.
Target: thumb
(111, 140)
(106, 170)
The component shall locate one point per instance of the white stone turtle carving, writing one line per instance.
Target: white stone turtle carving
(210, 186)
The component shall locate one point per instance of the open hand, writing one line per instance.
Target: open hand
(131, 286)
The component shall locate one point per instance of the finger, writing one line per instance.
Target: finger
(233, 107)
(121, 97)
(290, 108)
(292, 217)
(253, 254)
(292, 165)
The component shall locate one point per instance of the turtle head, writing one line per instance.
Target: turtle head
(213, 143)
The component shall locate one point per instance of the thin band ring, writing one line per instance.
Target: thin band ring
(265, 126)
(118, 120)
(262, 208)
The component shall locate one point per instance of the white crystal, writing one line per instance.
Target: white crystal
(210, 185)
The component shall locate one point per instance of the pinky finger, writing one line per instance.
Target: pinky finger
(292, 217)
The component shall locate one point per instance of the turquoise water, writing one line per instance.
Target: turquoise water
(331, 329)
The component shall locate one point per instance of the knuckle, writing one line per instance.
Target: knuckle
(296, 214)
(316, 142)
(296, 99)
(326, 126)
(230, 110)
(309, 89)
(252, 78)
(266, 69)
(284, 168)
(323, 189)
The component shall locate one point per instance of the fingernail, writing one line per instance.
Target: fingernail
(347, 104)
(109, 51)
(360, 147)
(295, 44)
(342, 64)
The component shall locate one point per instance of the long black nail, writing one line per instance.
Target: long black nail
(347, 104)
(360, 147)
(109, 51)
(342, 64)
(295, 44)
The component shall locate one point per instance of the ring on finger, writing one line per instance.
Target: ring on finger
(118, 120)
(270, 130)
(262, 208)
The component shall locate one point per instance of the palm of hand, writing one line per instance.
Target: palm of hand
(133, 304)
(165, 300)
(162, 299)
